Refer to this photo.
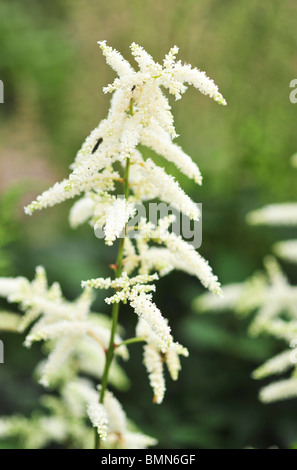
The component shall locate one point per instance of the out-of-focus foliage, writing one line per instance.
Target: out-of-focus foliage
(272, 299)
(9, 229)
(53, 74)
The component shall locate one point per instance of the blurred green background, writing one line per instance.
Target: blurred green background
(53, 73)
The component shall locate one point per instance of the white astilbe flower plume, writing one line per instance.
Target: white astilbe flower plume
(135, 290)
(154, 365)
(137, 440)
(178, 255)
(271, 296)
(277, 365)
(154, 359)
(149, 181)
(272, 300)
(117, 421)
(148, 122)
(67, 426)
(275, 214)
(78, 341)
(160, 141)
(286, 250)
(146, 309)
(95, 410)
(98, 417)
(119, 433)
(233, 294)
(69, 327)
(81, 211)
(117, 217)
(280, 390)
(189, 260)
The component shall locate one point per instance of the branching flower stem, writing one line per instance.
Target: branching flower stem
(137, 339)
(116, 305)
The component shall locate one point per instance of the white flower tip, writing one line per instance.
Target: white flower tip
(257, 374)
(294, 160)
(44, 382)
(28, 342)
(157, 400)
(218, 290)
(220, 99)
(254, 218)
(27, 210)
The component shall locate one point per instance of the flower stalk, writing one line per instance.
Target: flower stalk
(116, 306)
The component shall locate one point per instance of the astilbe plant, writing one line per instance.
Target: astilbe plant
(271, 299)
(77, 340)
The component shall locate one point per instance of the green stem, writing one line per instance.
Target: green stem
(137, 339)
(116, 306)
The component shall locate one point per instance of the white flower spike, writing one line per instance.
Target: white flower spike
(78, 341)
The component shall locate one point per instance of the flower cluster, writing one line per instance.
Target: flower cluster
(139, 114)
(155, 358)
(61, 420)
(109, 418)
(175, 254)
(274, 300)
(76, 338)
(135, 290)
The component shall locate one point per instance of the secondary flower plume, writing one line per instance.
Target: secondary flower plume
(272, 300)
